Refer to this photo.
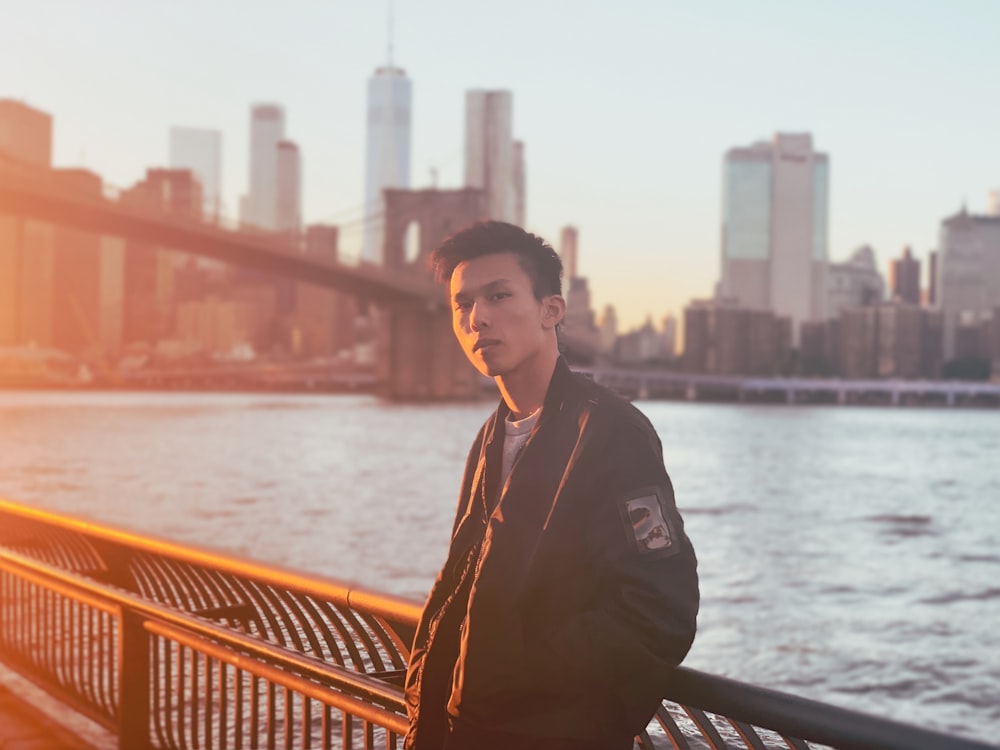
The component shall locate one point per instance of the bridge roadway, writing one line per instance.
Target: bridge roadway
(33, 195)
(420, 359)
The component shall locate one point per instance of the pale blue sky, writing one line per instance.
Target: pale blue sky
(626, 108)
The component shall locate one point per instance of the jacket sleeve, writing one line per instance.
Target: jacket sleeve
(643, 620)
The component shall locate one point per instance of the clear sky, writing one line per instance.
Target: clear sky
(626, 108)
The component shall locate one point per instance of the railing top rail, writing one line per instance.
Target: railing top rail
(811, 720)
(377, 603)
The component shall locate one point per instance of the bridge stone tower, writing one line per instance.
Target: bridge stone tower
(419, 357)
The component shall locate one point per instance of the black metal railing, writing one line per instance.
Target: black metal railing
(174, 647)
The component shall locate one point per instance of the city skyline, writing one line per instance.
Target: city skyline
(627, 123)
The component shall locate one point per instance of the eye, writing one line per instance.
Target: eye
(497, 296)
(463, 306)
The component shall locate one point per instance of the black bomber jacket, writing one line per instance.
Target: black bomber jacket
(568, 594)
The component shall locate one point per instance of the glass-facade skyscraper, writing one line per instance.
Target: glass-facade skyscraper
(491, 162)
(387, 163)
(259, 207)
(775, 205)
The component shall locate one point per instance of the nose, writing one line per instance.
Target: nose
(477, 318)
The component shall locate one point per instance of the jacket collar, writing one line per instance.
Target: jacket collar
(555, 396)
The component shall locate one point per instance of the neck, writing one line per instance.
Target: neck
(524, 391)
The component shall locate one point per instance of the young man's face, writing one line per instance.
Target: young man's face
(501, 326)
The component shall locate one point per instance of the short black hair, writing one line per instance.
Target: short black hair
(536, 257)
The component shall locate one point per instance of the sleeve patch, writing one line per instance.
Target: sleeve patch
(646, 525)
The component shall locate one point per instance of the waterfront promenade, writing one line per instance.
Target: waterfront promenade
(24, 727)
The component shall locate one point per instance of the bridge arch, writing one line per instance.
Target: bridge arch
(435, 214)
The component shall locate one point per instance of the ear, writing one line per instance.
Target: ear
(553, 310)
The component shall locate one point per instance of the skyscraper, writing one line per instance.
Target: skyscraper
(25, 133)
(854, 282)
(150, 271)
(568, 240)
(489, 151)
(25, 244)
(968, 272)
(288, 216)
(774, 227)
(258, 207)
(904, 278)
(200, 151)
(387, 163)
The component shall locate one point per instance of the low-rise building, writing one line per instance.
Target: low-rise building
(723, 338)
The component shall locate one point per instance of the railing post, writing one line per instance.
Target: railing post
(133, 683)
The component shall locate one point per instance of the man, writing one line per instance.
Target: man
(570, 588)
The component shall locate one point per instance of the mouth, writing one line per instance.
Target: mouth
(484, 344)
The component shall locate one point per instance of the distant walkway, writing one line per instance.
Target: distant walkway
(23, 726)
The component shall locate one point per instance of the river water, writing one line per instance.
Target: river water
(850, 554)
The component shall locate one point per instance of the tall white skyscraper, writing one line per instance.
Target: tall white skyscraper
(289, 183)
(490, 162)
(200, 151)
(775, 206)
(267, 127)
(387, 162)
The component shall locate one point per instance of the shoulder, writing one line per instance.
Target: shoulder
(618, 414)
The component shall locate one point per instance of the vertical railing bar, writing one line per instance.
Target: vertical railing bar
(131, 678)
(142, 567)
(29, 622)
(254, 711)
(35, 632)
(80, 640)
(271, 718)
(256, 594)
(300, 620)
(347, 730)
(209, 703)
(332, 612)
(104, 679)
(197, 586)
(48, 643)
(61, 645)
(282, 617)
(320, 624)
(386, 639)
(243, 594)
(289, 719)
(195, 744)
(748, 733)
(795, 743)
(306, 722)
(112, 681)
(171, 651)
(181, 695)
(223, 706)
(94, 649)
(156, 689)
(238, 709)
(325, 729)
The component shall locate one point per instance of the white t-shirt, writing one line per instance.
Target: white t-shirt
(514, 438)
